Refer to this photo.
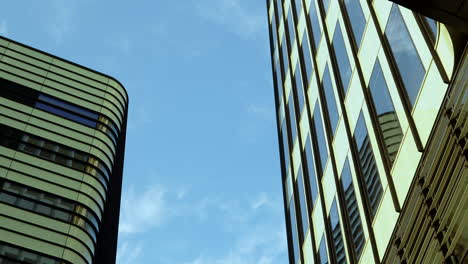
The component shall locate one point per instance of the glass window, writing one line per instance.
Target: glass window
(298, 4)
(390, 129)
(404, 52)
(294, 234)
(274, 32)
(285, 53)
(368, 166)
(291, 29)
(311, 170)
(344, 67)
(338, 245)
(354, 217)
(320, 136)
(323, 257)
(292, 118)
(279, 82)
(326, 4)
(284, 134)
(358, 21)
(431, 25)
(56, 111)
(330, 99)
(279, 7)
(314, 22)
(309, 67)
(302, 201)
(68, 106)
(299, 88)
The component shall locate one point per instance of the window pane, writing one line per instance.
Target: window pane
(291, 27)
(344, 67)
(294, 234)
(431, 24)
(311, 170)
(292, 118)
(68, 106)
(405, 54)
(368, 165)
(320, 136)
(279, 7)
(307, 59)
(284, 134)
(299, 88)
(65, 114)
(354, 219)
(274, 32)
(330, 99)
(358, 21)
(386, 115)
(284, 51)
(316, 31)
(302, 202)
(323, 258)
(298, 7)
(279, 82)
(338, 243)
(326, 4)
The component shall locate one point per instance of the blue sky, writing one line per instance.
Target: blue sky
(202, 178)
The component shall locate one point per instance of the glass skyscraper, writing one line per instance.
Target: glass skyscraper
(62, 142)
(370, 106)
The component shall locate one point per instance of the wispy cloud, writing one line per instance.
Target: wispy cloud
(232, 14)
(3, 27)
(141, 212)
(128, 253)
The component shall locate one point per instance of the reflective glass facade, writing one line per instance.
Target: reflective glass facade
(360, 88)
(62, 143)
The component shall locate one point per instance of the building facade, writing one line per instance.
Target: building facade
(370, 106)
(62, 142)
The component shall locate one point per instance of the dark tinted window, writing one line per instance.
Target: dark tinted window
(368, 165)
(405, 54)
(323, 258)
(10, 254)
(354, 220)
(67, 106)
(274, 32)
(279, 82)
(344, 67)
(284, 51)
(311, 170)
(391, 133)
(338, 244)
(330, 99)
(62, 113)
(307, 59)
(320, 136)
(291, 27)
(316, 31)
(302, 201)
(299, 88)
(356, 16)
(294, 234)
(284, 137)
(292, 117)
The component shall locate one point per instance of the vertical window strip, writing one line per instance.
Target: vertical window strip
(337, 236)
(322, 254)
(309, 67)
(303, 202)
(311, 170)
(357, 19)
(291, 29)
(294, 231)
(405, 55)
(321, 141)
(292, 118)
(285, 53)
(299, 89)
(284, 134)
(314, 22)
(342, 59)
(390, 131)
(330, 99)
(368, 165)
(354, 218)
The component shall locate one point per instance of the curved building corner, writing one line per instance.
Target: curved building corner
(62, 145)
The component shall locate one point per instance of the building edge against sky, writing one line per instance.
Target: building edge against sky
(371, 118)
(62, 147)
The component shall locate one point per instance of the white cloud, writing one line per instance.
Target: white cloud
(260, 201)
(128, 253)
(142, 212)
(3, 27)
(233, 15)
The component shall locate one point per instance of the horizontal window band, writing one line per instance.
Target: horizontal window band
(12, 252)
(52, 201)
(96, 214)
(33, 98)
(44, 240)
(112, 148)
(122, 102)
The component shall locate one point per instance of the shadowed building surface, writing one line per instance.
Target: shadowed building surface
(62, 142)
(371, 117)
